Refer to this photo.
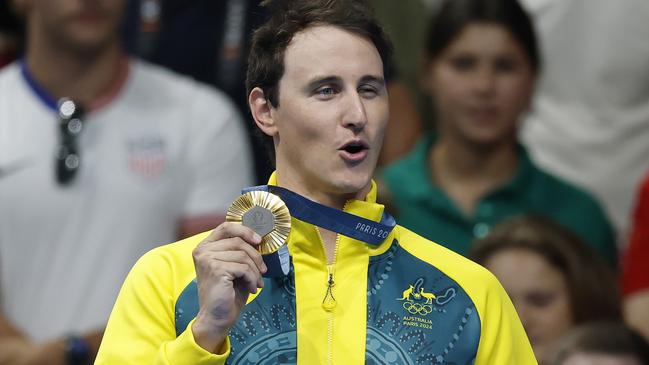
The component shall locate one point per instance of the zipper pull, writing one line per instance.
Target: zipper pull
(329, 302)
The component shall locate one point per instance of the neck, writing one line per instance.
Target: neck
(466, 173)
(295, 183)
(465, 162)
(331, 199)
(81, 77)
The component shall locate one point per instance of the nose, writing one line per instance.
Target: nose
(355, 115)
(484, 81)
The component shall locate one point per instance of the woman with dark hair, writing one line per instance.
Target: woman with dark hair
(554, 280)
(481, 64)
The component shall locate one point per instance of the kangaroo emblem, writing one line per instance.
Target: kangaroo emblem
(429, 296)
(406, 293)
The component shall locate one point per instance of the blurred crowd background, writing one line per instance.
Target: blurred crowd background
(518, 136)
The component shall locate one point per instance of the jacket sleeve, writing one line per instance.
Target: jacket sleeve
(503, 339)
(141, 328)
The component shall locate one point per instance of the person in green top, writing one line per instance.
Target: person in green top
(481, 64)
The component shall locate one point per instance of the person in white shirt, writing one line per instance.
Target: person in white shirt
(590, 116)
(135, 156)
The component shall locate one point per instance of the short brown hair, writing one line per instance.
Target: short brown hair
(289, 17)
(591, 283)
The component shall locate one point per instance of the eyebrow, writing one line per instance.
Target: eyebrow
(379, 80)
(322, 80)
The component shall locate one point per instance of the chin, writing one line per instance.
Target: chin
(353, 183)
(488, 136)
(486, 142)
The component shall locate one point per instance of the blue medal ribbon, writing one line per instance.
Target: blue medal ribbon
(353, 226)
(278, 263)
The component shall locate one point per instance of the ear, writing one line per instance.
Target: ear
(262, 112)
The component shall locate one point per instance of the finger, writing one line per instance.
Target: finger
(251, 280)
(230, 229)
(213, 264)
(238, 257)
(235, 244)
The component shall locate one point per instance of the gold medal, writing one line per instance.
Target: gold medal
(266, 214)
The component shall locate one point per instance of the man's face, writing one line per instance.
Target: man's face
(333, 109)
(77, 25)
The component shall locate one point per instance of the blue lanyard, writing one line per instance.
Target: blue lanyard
(335, 220)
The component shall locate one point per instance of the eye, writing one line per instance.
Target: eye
(541, 299)
(368, 91)
(463, 63)
(505, 65)
(326, 92)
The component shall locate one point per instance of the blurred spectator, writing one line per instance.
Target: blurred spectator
(590, 116)
(481, 67)
(635, 273)
(554, 280)
(135, 156)
(205, 39)
(603, 343)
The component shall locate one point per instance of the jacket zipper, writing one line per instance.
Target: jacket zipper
(329, 301)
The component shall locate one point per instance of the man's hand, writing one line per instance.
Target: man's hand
(228, 269)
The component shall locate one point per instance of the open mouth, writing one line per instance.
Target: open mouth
(354, 148)
(354, 151)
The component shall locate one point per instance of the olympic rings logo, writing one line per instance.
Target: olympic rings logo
(416, 308)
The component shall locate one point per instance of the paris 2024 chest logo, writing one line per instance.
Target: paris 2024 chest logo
(420, 303)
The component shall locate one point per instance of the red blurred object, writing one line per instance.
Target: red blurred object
(635, 273)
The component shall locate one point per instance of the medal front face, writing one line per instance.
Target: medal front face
(266, 214)
(261, 220)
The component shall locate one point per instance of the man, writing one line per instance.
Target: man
(316, 86)
(134, 157)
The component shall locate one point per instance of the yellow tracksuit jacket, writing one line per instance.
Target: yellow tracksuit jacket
(406, 301)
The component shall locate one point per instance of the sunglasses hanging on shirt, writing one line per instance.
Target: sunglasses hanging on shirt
(68, 159)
